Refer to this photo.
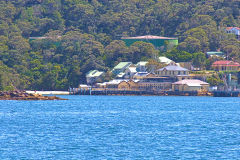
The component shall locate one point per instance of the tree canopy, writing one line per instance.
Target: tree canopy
(77, 36)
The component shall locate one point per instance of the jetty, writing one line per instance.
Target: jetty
(226, 93)
(77, 91)
(22, 95)
(111, 92)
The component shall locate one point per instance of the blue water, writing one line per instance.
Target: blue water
(121, 127)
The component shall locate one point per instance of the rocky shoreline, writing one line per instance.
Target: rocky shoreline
(22, 95)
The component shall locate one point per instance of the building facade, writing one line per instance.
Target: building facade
(234, 30)
(225, 66)
(190, 85)
(93, 76)
(173, 71)
(157, 41)
(121, 67)
(130, 72)
(141, 66)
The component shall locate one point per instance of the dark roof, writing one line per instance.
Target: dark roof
(173, 68)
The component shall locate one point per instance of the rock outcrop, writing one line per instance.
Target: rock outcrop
(22, 95)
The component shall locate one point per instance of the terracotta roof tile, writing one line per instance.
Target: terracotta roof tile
(229, 28)
(225, 63)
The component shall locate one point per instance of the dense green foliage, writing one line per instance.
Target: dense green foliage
(85, 35)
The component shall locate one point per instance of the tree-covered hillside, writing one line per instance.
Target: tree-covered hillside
(84, 35)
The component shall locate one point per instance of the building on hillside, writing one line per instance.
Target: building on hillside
(121, 67)
(190, 85)
(225, 66)
(165, 60)
(55, 40)
(140, 75)
(173, 71)
(41, 38)
(218, 54)
(141, 66)
(121, 75)
(130, 72)
(157, 41)
(156, 78)
(234, 30)
(94, 75)
(187, 65)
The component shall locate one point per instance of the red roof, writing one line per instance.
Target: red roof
(229, 28)
(148, 37)
(225, 63)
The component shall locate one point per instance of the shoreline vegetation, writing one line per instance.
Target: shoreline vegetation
(22, 95)
(52, 45)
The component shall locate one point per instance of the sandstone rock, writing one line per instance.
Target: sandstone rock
(22, 95)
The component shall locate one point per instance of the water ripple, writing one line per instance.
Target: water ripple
(121, 127)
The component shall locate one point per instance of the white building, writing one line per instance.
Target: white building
(190, 85)
(130, 72)
(93, 75)
(165, 60)
(234, 30)
(141, 66)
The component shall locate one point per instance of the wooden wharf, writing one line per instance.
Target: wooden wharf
(112, 92)
(226, 93)
(77, 91)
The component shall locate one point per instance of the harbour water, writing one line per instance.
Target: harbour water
(121, 127)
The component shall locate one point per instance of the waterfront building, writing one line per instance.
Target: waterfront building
(113, 84)
(190, 85)
(93, 75)
(154, 82)
(121, 67)
(121, 84)
(84, 86)
(128, 85)
(225, 66)
(154, 86)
